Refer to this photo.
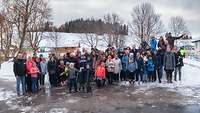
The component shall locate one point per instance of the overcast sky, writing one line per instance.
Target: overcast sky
(64, 10)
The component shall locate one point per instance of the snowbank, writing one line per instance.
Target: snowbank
(6, 71)
(192, 62)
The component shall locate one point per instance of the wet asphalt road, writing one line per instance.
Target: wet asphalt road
(118, 98)
(112, 99)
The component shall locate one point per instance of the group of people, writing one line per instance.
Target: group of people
(78, 69)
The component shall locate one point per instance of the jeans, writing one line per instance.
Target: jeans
(72, 83)
(150, 76)
(34, 84)
(177, 69)
(20, 80)
(139, 76)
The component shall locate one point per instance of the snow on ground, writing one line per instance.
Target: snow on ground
(6, 71)
(192, 61)
(6, 95)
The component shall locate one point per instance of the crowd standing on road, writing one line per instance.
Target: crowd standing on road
(78, 70)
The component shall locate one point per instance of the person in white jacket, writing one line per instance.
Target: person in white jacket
(117, 68)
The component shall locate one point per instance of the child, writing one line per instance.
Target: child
(150, 68)
(61, 73)
(34, 71)
(100, 74)
(140, 70)
(110, 66)
(179, 65)
(88, 78)
(145, 75)
(72, 76)
(82, 79)
(132, 67)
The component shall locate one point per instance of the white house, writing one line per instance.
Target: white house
(197, 44)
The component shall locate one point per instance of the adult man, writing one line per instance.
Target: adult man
(171, 39)
(19, 69)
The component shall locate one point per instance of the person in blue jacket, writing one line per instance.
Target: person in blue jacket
(153, 44)
(150, 68)
(125, 60)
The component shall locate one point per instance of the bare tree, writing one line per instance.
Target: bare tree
(90, 40)
(23, 14)
(6, 36)
(55, 37)
(113, 37)
(146, 21)
(178, 26)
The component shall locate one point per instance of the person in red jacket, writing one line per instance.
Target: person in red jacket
(28, 83)
(100, 74)
(34, 71)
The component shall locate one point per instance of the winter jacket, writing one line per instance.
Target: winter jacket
(140, 62)
(100, 72)
(29, 64)
(163, 47)
(83, 61)
(73, 73)
(171, 40)
(43, 67)
(179, 59)
(61, 70)
(19, 67)
(110, 66)
(34, 71)
(169, 61)
(38, 66)
(150, 65)
(125, 60)
(153, 43)
(118, 66)
(144, 44)
(52, 67)
(159, 60)
(132, 66)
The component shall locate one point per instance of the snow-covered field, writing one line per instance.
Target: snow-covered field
(73, 39)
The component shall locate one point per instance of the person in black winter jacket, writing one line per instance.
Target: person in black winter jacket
(19, 69)
(159, 58)
(171, 39)
(52, 67)
(89, 78)
(179, 65)
(140, 70)
(82, 78)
